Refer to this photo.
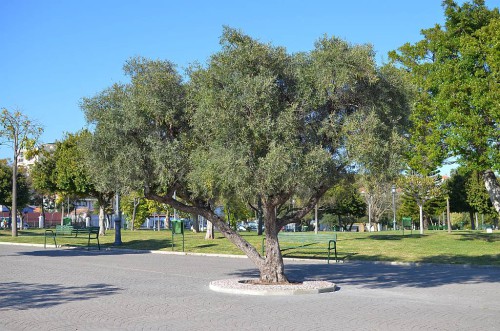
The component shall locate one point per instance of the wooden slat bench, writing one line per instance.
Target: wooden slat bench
(306, 240)
(70, 231)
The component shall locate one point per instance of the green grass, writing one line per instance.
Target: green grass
(459, 247)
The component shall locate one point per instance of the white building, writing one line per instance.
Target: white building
(27, 163)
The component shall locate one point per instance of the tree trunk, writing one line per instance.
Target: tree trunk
(448, 220)
(195, 222)
(210, 231)
(421, 209)
(471, 217)
(13, 214)
(62, 212)
(137, 201)
(273, 270)
(102, 226)
(194, 227)
(259, 216)
(493, 188)
(316, 223)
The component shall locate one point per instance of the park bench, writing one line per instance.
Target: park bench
(69, 231)
(306, 240)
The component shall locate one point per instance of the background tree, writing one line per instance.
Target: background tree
(43, 181)
(376, 140)
(477, 196)
(432, 208)
(468, 194)
(5, 183)
(421, 189)
(23, 188)
(455, 69)
(255, 121)
(21, 133)
(156, 208)
(66, 173)
(135, 208)
(457, 191)
(237, 211)
(342, 205)
(378, 195)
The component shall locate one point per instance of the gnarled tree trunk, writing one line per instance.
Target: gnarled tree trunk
(273, 270)
(271, 267)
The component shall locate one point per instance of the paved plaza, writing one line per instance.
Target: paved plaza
(76, 289)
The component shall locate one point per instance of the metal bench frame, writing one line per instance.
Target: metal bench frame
(306, 240)
(68, 231)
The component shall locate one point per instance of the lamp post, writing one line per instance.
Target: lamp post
(394, 207)
(118, 222)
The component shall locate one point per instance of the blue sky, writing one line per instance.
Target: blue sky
(53, 53)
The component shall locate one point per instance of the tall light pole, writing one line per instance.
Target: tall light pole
(118, 222)
(394, 207)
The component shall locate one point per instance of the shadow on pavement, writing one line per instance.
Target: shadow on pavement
(380, 275)
(80, 251)
(23, 296)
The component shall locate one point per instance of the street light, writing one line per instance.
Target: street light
(394, 207)
(118, 222)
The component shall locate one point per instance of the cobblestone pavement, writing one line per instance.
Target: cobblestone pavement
(74, 289)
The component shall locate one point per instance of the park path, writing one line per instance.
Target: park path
(75, 289)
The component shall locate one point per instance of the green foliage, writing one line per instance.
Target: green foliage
(134, 200)
(72, 176)
(154, 207)
(477, 196)
(255, 121)
(455, 69)
(43, 174)
(17, 130)
(467, 192)
(23, 188)
(457, 192)
(64, 171)
(376, 136)
(408, 208)
(254, 126)
(342, 205)
(5, 182)
(425, 191)
(421, 188)
(237, 211)
(139, 129)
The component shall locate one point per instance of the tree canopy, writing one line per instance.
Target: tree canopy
(66, 172)
(255, 122)
(455, 69)
(23, 188)
(20, 133)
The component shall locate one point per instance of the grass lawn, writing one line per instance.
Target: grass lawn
(459, 247)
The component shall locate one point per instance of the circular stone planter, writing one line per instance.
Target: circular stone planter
(247, 286)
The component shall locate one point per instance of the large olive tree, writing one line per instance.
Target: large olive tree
(255, 121)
